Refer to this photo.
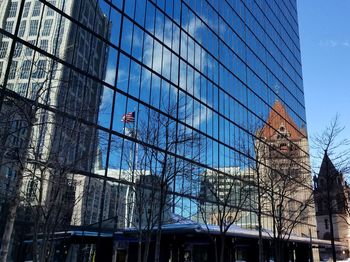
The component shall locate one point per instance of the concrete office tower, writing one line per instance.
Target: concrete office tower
(45, 66)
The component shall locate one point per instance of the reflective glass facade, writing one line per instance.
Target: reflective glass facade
(201, 79)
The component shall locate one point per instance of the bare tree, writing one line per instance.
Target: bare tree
(224, 199)
(146, 215)
(18, 152)
(277, 157)
(26, 113)
(335, 152)
(158, 136)
(49, 193)
(287, 190)
(333, 141)
(256, 159)
(285, 185)
(42, 146)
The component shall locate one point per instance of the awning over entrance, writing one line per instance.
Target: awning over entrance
(190, 227)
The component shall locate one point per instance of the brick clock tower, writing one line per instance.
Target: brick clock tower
(285, 148)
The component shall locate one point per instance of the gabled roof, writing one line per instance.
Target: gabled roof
(278, 116)
(327, 167)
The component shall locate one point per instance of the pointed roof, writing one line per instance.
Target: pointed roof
(278, 116)
(327, 167)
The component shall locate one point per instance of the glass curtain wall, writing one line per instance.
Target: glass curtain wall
(106, 102)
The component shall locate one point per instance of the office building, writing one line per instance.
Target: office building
(195, 80)
(36, 45)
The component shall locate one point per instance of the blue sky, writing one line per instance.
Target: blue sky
(324, 28)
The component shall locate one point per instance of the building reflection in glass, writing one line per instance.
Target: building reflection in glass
(83, 65)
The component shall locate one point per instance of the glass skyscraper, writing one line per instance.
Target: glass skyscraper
(148, 113)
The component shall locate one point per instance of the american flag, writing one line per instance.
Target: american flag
(129, 117)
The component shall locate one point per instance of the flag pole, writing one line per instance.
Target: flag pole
(128, 220)
(129, 209)
(134, 163)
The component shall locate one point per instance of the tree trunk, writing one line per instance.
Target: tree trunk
(115, 229)
(35, 241)
(279, 255)
(222, 248)
(261, 250)
(37, 220)
(6, 239)
(139, 248)
(43, 246)
(216, 250)
(115, 251)
(260, 241)
(233, 256)
(330, 213)
(160, 217)
(157, 249)
(146, 251)
(334, 255)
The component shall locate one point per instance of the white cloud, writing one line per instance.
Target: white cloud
(160, 63)
(122, 76)
(107, 99)
(160, 60)
(110, 75)
(334, 43)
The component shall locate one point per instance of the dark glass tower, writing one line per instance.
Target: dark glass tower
(181, 90)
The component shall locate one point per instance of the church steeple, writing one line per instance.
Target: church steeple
(327, 167)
